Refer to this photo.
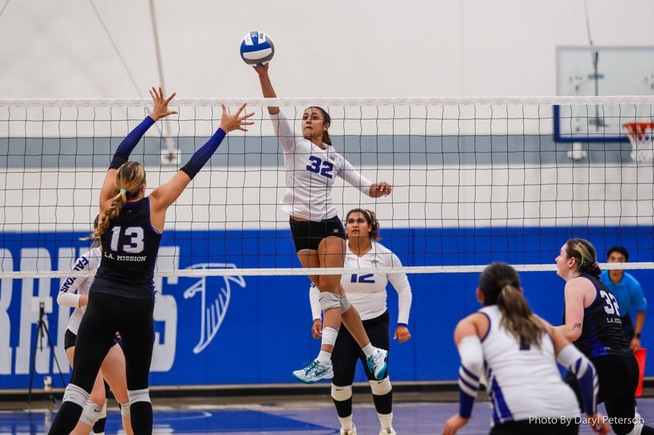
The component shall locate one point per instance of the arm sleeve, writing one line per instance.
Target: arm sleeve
(472, 365)
(66, 299)
(68, 296)
(202, 156)
(284, 131)
(127, 145)
(571, 358)
(316, 311)
(403, 288)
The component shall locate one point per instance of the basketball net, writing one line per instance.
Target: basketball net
(642, 140)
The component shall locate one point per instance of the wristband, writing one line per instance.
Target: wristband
(637, 335)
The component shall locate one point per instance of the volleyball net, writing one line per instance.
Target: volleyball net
(475, 180)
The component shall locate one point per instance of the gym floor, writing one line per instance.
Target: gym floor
(415, 413)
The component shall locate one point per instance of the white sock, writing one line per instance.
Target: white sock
(369, 349)
(324, 357)
(346, 422)
(386, 420)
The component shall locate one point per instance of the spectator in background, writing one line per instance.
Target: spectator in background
(628, 294)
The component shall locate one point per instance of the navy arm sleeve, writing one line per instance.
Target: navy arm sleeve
(127, 145)
(202, 156)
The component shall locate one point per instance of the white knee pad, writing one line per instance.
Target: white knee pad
(91, 413)
(345, 304)
(329, 301)
(138, 396)
(638, 427)
(379, 388)
(341, 393)
(124, 409)
(76, 395)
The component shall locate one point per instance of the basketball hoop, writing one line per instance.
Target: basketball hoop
(641, 136)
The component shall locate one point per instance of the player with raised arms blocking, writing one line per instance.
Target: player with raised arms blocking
(121, 297)
(312, 165)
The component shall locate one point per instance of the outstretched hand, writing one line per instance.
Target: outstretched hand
(261, 69)
(380, 189)
(160, 109)
(230, 122)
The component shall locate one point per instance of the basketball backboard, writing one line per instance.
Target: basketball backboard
(602, 71)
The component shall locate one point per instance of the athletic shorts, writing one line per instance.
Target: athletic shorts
(309, 234)
(69, 339)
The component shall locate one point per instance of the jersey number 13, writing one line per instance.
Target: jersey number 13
(135, 243)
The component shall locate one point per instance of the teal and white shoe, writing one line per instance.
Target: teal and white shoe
(378, 363)
(314, 372)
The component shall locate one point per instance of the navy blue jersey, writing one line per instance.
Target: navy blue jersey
(602, 332)
(129, 252)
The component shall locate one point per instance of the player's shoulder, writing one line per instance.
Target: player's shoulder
(333, 155)
(379, 248)
(92, 253)
(89, 260)
(381, 252)
(479, 322)
(95, 256)
(387, 254)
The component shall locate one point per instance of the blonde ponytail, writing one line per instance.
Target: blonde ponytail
(130, 177)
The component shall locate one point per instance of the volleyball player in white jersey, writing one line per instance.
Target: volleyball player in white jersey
(367, 292)
(312, 165)
(74, 292)
(518, 353)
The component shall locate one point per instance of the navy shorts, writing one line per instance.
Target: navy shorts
(309, 234)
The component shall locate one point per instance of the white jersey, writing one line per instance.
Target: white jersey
(74, 287)
(523, 383)
(367, 292)
(310, 174)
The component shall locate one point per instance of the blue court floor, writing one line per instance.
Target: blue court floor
(310, 416)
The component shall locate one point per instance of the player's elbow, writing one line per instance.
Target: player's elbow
(572, 333)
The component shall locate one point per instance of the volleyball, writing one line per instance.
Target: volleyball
(257, 48)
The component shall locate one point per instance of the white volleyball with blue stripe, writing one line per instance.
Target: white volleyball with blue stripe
(257, 48)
